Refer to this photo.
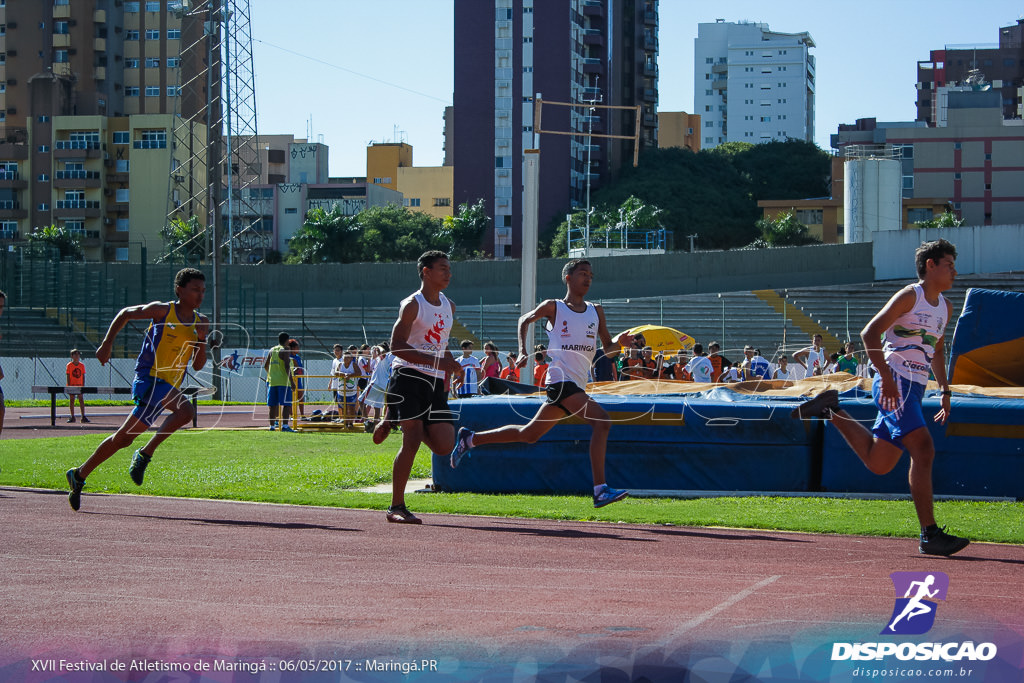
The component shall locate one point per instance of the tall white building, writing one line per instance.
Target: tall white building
(751, 84)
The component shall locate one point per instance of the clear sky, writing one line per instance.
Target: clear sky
(356, 71)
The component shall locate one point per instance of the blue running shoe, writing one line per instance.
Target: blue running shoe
(286, 428)
(272, 426)
(461, 449)
(609, 495)
(137, 470)
(76, 483)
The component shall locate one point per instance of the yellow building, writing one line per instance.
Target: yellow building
(678, 129)
(383, 159)
(428, 189)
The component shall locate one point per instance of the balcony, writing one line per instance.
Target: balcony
(62, 11)
(62, 40)
(650, 70)
(12, 180)
(99, 16)
(99, 44)
(10, 208)
(592, 65)
(118, 178)
(650, 43)
(77, 208)
(9, 234)
(650, 17)
(593, 8)
(593, 36)
(100, 73)
(593, 123)
(647, 94)
(591, 94)
(73, 179)
(77, 149)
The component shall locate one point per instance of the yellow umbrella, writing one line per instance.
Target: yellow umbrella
(661, 338)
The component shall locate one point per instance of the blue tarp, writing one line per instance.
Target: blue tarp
(721, 440)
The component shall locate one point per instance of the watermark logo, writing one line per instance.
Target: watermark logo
(917, 596)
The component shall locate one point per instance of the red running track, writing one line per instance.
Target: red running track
(223, 584)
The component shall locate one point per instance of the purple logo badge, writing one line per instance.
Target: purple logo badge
(917, 596)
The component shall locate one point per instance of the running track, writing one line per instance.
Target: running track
(177, 580)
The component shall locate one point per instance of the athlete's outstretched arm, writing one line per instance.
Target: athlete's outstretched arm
(155, 310)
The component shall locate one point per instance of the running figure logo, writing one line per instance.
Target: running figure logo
(914, 612)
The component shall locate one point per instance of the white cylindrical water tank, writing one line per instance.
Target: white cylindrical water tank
(873, 197)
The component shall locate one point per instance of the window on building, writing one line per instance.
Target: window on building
(809, 216)
(61, 27)
(131, 35)
(121, 166)
(121, 195)
(152, 6)
(60, 56)
(152, 139)
(122, 137)
(132, 7)
(908, 182)
(173, 62)
(152, 91)
(442, 201)
(131, 91)
(121, 225)
(291, 210)
(919, 215)
(412, 201)
(131, 63)
(173, 34)
(173, 90)
(43, 178)
(152, 62)
(152, 34)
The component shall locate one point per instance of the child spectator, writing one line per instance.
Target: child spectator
(76, 378)
(468, 386)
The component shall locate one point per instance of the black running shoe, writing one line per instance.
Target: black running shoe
(822, 405)
(76, 483)
(137, 470)
(399, 514)
(938, 542)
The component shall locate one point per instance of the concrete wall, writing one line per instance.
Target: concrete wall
(384, 284)
(980, 249)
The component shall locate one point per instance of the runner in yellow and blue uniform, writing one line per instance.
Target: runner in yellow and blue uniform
(175, 339)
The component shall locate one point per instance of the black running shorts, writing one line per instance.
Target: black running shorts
(412, 395)
(560, 391)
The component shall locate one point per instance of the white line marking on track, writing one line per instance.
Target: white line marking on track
(720, 607)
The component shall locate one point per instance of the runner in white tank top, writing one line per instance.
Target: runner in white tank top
(417, 396)
(909, 344)
(912, 325)
(573, 326)
(429, 334)
(572, 343)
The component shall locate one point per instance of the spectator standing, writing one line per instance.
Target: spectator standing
(759, 366)
(469, 385)
(491, 362)
(812, 358)
(718, 362)
(540, 368)
(783, 371)
(375, 394)
(347, 391)
(298, 370)
(75, 372)
(848, 362)
(510, 371)
(603, 368)
(277, 365)
(700, 367)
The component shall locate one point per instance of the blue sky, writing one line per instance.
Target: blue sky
(356, 71)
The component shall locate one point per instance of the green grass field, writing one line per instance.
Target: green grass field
(325, 470)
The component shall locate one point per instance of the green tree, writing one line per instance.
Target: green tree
(184, 241)
(67, 243)
(391, 233)
(783, 231)
(325, 236)
(463, 231)
(947, 219)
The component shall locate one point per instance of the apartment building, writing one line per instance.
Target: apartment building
(88, 95)
(572, 52)
(679, 129)
(1001, 65)
(752, 84)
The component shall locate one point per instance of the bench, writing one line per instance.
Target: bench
(192, 392)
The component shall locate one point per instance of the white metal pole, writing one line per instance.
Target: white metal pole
(528, 286)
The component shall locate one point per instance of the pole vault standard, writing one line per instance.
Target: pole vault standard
(531, 204)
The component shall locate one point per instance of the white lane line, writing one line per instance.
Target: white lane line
(722, 606)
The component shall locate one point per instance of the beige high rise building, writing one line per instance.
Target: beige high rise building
(88, 93)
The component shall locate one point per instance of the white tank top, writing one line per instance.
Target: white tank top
(429, 334)
(572, 342)
(909, 345)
